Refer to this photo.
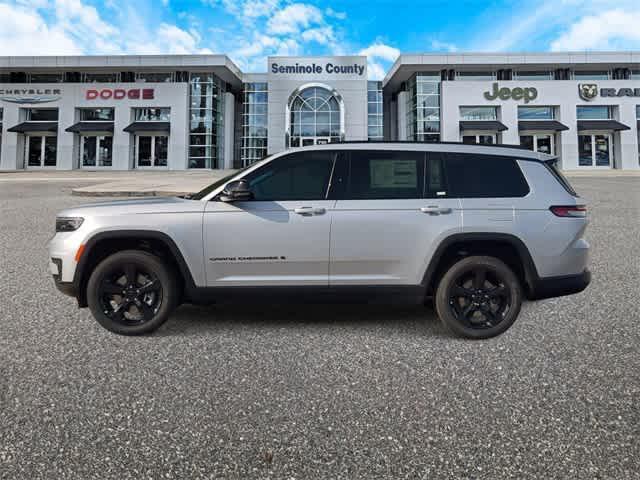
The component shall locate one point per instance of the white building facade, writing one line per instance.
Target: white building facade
(201, 112)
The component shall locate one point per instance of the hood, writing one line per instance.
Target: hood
(135, 206)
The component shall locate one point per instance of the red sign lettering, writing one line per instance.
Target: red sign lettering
(120, 93)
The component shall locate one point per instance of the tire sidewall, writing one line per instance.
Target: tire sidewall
(498, 267)
(152, 264)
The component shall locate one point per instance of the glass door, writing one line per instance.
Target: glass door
(538, 142)
(482, 139)
(41, 151)
(96, 150)
(151, 151)
(595, 150)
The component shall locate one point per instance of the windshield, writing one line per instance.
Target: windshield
(218, 183)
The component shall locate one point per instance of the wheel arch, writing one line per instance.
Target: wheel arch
(103, 244)
(507, 247)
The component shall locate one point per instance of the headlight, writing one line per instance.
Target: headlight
(68, 224)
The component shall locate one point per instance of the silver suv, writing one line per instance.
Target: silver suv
(476, 229)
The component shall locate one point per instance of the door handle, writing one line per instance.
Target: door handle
(309, 210)
(435, 210)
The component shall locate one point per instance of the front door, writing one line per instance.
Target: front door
(281, 236)
(386, 223)
(595, 150)
(480, 139)
(41, 151)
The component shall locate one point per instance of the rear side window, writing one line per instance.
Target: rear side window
(551, 166)
(297, 176)
(484, 176)
(385, 175)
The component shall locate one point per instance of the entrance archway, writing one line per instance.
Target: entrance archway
(315, 115)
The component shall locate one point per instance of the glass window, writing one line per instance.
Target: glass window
(478, 113)
(152, 114)
(298, 176)
(635, 75)
(594, 112)
(423, 107)
(50, 151)
(436, 185)
(45, 77)
(637, 112)
(536, 113)
(386, 175)
(206, 95)
(34, 148)
(96, 114)
(591, 75)
(475, 75)
(42, 114)
(106, 77)
(534, 75)
(483, 176)
(157, 77)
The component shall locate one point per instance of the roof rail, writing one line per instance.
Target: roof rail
(422, 142)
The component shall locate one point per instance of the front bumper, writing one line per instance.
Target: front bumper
(548, 287)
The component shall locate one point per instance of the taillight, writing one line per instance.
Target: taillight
(574, 211)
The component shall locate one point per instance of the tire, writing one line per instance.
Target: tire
(475, 308)
(132, 307)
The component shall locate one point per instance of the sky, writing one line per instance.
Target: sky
(250, 30)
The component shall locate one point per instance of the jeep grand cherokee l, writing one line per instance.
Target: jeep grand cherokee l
(476, 229)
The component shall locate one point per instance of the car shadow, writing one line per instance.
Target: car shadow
(390, 319)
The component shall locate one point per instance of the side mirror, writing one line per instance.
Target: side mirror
(236, 191)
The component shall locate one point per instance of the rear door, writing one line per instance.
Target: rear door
(390, 211)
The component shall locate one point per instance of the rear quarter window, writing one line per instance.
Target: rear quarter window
(484, 176)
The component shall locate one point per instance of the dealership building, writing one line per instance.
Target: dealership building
(181, 112)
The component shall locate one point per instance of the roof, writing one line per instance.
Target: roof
(457, 147)
(221, 65)
(409, 63)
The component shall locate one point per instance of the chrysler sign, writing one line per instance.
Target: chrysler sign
(30, 95)
(120, 94)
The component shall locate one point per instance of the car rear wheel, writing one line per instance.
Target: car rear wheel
(478, 297)
(132, 292)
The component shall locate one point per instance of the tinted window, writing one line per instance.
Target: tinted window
(482, 176)
(386, 175)
(436, 182)
(298, 176)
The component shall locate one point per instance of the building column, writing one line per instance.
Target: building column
(509, 116)
(402, 115)
(567, 147)
(627, 158)
(229, 117)
(12, 149)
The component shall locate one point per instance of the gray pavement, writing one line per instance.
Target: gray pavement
(322, 392)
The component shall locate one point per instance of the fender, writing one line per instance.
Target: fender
(79, 275)
(530, 271)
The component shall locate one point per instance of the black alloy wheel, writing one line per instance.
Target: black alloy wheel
(132, 292)
(479, 297)
(130, 295)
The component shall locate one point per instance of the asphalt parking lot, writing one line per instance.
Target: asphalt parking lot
(320, 391)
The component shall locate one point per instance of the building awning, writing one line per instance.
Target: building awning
(91, 127)
(491, 125)
(148, 127)
(612, 125)
(26, 127)
(542, 125)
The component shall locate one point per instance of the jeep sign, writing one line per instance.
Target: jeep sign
(517, 93)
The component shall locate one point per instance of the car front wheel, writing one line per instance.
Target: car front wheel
(132, 292)
(478, 297)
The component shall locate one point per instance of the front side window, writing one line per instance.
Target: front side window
(152, 114)
(478, 113)
(385, 175)
(594, 112)
(484, 176)
(298, 176)
(536, 113)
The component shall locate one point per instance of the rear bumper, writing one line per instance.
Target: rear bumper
(548, 287)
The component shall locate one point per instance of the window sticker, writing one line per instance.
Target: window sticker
(393, 173)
